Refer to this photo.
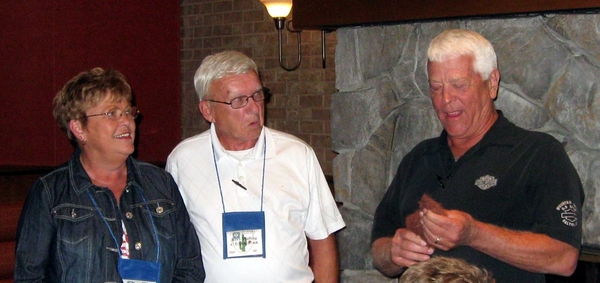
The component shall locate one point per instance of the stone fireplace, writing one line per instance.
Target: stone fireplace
(550, 75)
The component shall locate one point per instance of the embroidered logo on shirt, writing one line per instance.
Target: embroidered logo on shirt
(486, 182)
(568, 213)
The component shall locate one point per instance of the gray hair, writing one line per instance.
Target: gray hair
(219, 65)
(454, 43)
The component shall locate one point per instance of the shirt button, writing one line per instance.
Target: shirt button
(138, 246)
(160, 210)
(129, 215)
(240, 164)
(241, 178)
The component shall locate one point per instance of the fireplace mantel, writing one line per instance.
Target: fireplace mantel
(331, 14)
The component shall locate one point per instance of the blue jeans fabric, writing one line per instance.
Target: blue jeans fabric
(62, 238)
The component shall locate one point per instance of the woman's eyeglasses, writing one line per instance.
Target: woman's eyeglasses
(116, 114)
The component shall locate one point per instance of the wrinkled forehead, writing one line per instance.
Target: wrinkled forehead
(236, 85)
(451, 68)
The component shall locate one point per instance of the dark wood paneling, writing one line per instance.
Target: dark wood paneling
(330, 14)
(45, 43)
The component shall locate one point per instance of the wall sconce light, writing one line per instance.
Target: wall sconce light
(278, 10)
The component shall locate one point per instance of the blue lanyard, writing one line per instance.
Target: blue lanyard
(263, 172)
(113, 235)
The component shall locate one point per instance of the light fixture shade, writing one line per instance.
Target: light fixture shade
(278, 8)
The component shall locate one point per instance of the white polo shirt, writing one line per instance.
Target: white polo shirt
(297, 203)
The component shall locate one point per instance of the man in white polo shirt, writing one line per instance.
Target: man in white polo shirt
(257, 197)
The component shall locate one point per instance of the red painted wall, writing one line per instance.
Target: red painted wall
(45, 43)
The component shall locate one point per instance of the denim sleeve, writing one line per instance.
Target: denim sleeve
(35, 235)
(188, 265)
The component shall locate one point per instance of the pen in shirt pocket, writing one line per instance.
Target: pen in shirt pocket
(238, 184)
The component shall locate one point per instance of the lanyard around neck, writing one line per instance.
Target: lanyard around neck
(263, 173)
(111, 231)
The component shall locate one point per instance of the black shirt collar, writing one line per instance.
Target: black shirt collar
(501, 134)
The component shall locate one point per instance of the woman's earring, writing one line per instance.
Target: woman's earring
(82, 140)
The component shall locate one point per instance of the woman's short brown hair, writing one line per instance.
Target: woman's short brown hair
(87, 90)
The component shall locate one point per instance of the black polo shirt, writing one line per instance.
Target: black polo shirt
(513, 178)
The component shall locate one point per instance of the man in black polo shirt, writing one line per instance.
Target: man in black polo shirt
(511, 198)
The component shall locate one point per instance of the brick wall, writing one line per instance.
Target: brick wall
(301, 99)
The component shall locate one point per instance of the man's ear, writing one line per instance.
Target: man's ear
(206, 111)
(493, 83)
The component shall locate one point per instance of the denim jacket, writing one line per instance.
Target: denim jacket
(61, 237)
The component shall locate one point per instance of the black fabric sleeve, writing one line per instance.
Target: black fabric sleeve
(556, 194)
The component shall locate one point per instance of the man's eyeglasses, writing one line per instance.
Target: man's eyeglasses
(116, 113)
(242, 101)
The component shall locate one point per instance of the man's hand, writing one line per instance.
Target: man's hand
(405, 248)
(408, 248)
(445, 232)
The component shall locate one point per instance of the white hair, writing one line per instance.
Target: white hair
(219, 65)
(454, 43)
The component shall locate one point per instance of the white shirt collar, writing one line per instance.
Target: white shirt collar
(257, 150)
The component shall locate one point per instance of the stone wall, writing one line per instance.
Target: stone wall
(549, 67)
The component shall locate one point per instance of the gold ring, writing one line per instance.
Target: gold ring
(437, 240)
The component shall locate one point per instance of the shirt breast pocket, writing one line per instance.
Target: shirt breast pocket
(74, 225)
(162, 212)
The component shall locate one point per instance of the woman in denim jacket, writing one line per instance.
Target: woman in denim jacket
(103, 212)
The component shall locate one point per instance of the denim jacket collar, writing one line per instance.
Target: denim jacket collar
(81, 181)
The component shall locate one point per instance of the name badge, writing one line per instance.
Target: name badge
(139, 271)
(244, 234)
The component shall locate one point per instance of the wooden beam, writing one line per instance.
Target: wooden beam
(331, 14)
